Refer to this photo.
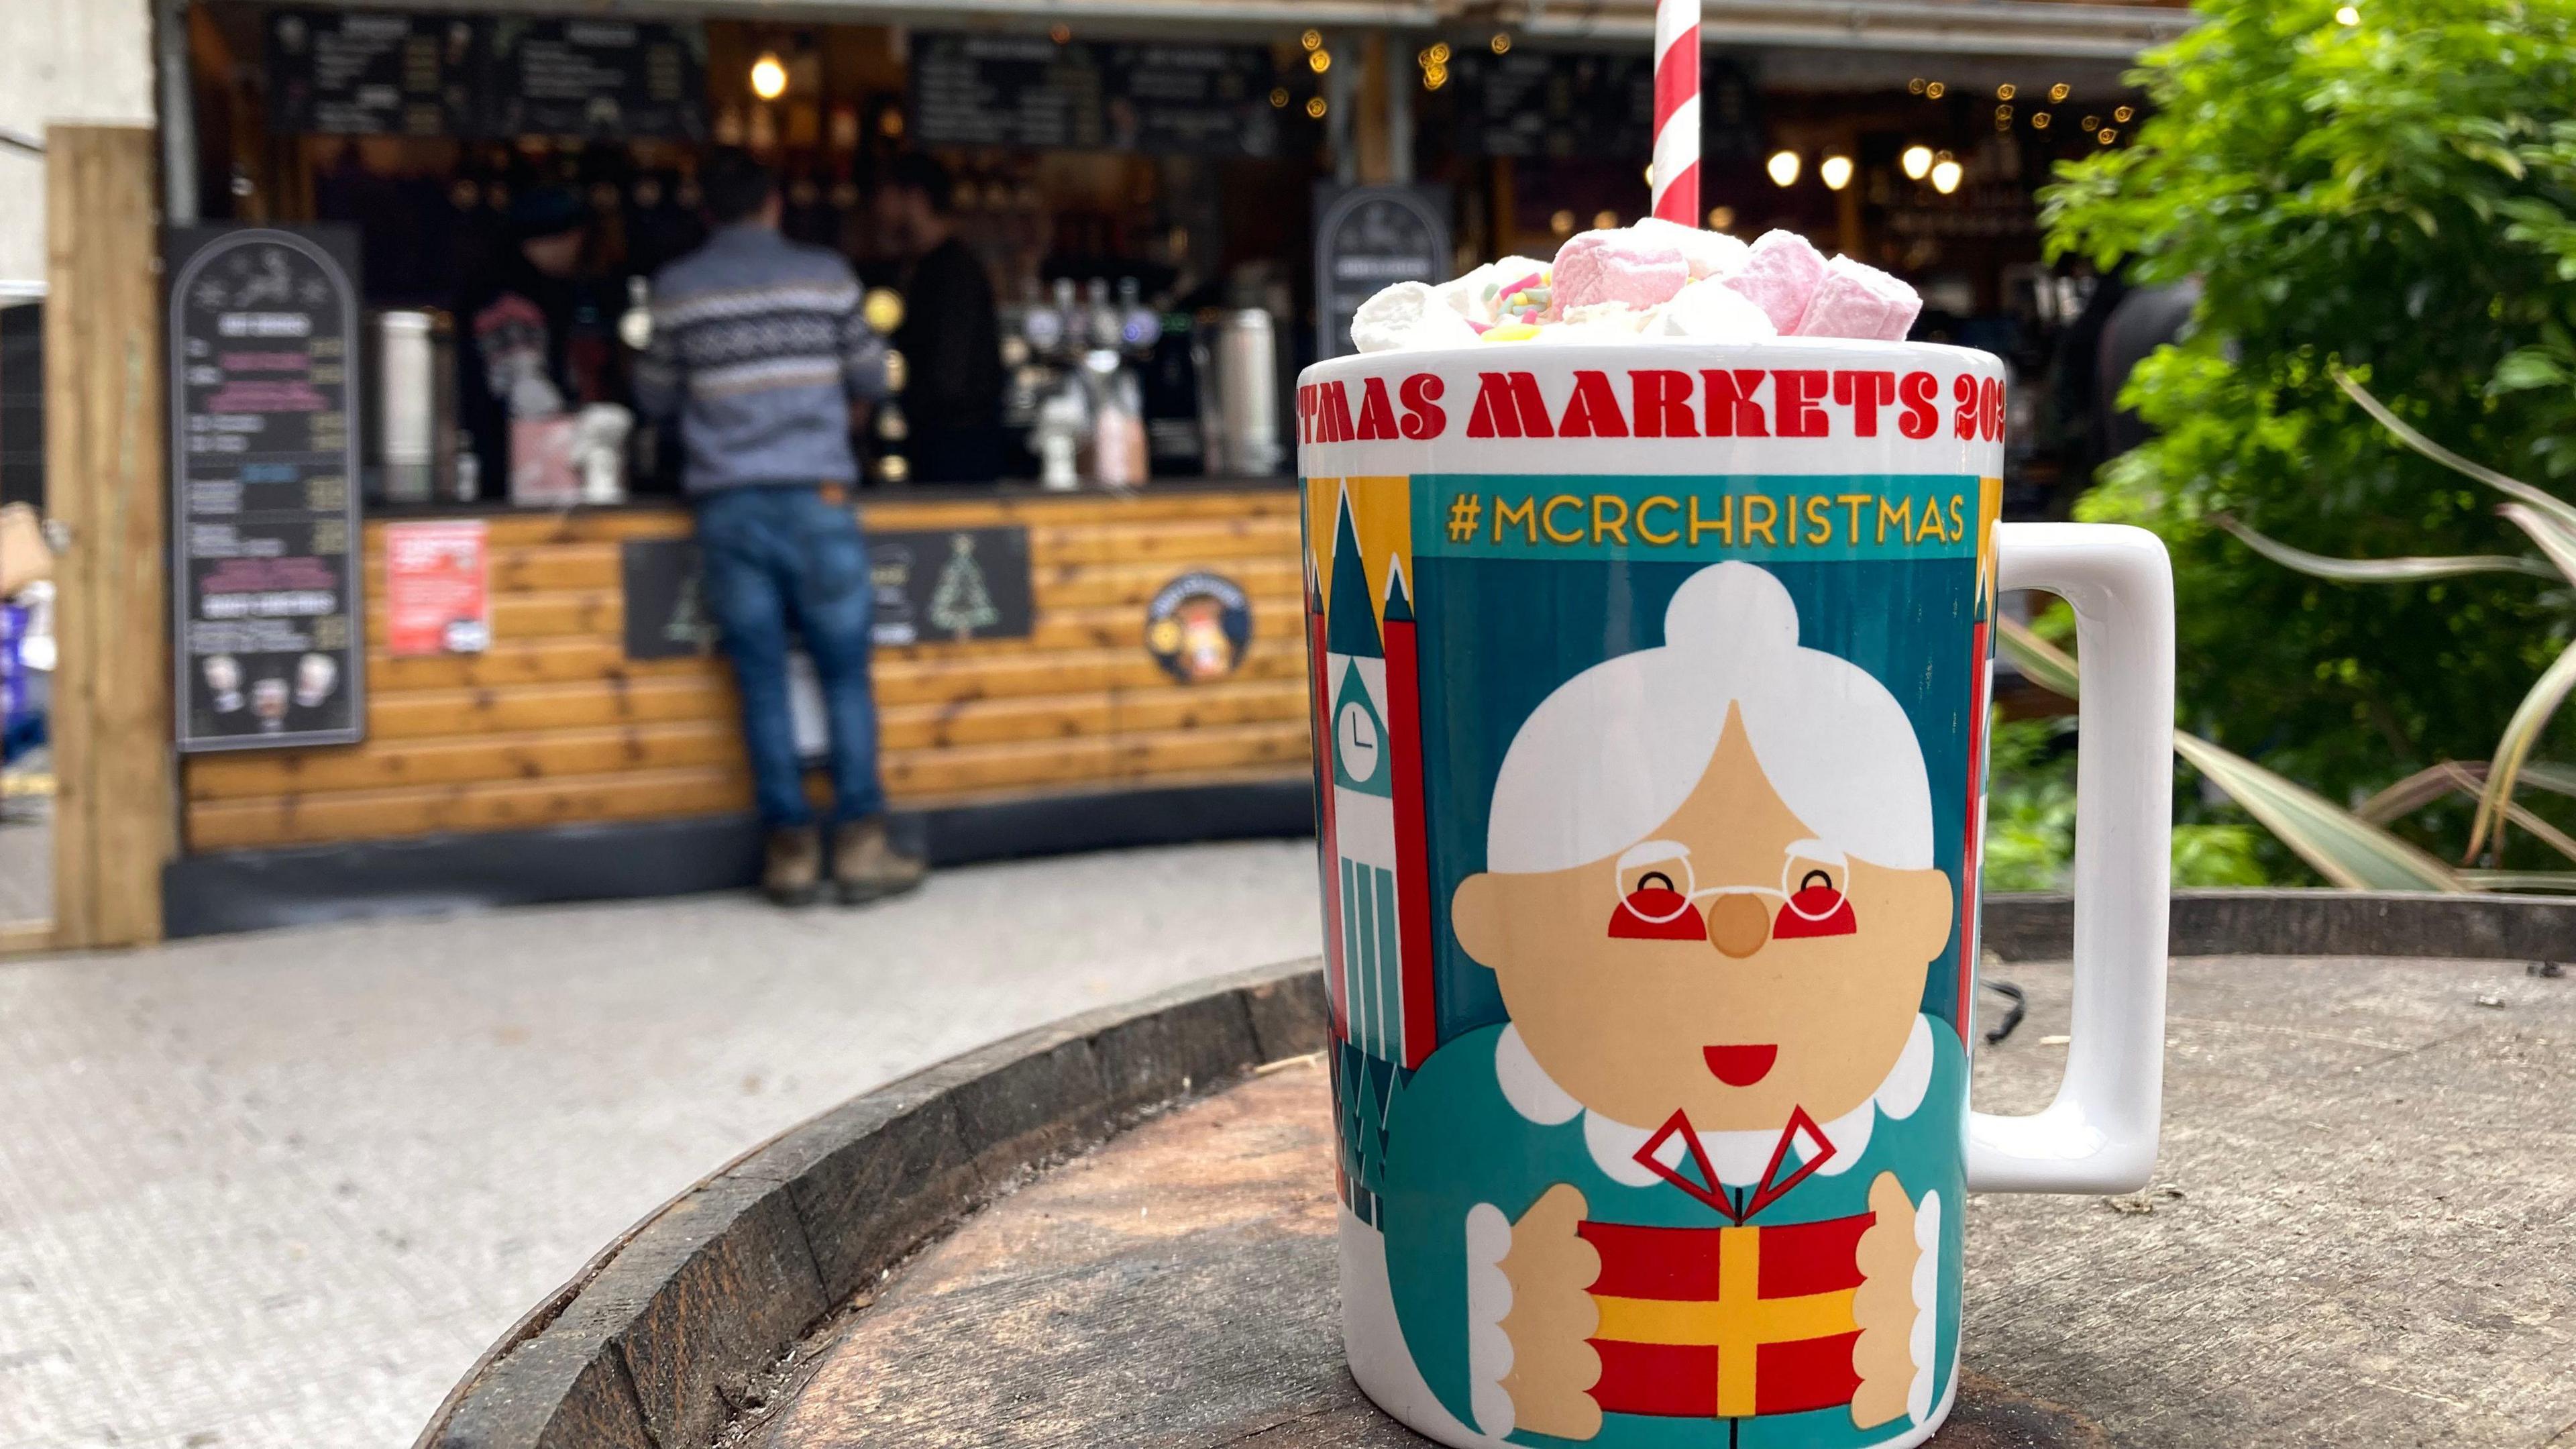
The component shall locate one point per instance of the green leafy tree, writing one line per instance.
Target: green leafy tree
(2396, 198)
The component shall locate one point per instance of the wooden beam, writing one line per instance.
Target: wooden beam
(115, 802)
(26, 938)
(1372, 132)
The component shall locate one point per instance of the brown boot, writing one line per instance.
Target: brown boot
(791, 872)
(867, 867)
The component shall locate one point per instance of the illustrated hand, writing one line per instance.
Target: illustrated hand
(1884, 1305)
(1552, 1366)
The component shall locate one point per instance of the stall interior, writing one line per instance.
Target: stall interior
(1124, 214)
(1133, 205)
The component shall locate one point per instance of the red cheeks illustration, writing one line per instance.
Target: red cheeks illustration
(1817, 908)
(1654, 910)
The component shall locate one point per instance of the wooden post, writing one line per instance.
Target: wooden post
(106, 475)
(1377, 159)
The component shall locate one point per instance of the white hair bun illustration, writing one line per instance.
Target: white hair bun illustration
(1608, 757)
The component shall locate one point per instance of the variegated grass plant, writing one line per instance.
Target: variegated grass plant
(2354, 848)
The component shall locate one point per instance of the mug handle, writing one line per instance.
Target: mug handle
(2099, 1135)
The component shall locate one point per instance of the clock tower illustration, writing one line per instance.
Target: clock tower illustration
(1378, 880)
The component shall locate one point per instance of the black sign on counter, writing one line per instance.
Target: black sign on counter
(933, 586)
(604, 78)
(369, 73)
(948, 585)
(1161, 98)
(666, 610)
(1367, 238)
(268, 648)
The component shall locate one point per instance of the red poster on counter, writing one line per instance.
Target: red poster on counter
(436, 596)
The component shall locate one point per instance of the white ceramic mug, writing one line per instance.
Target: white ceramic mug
(1650, 683)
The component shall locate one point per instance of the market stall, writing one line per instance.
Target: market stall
(405, 668)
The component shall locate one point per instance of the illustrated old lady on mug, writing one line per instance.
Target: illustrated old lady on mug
(1702, 1188)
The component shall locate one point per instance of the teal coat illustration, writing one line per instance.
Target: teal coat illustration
(1701, 1187)
(1446, 1226)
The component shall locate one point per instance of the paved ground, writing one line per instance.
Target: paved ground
(280, 1189)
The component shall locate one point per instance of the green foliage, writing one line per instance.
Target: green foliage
(2398, 197)
(2030, 819)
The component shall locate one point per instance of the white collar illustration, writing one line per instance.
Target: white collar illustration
(1739, 1157)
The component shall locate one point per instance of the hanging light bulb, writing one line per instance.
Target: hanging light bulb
(768, 77)
(1835, 172)
(1916, 160)
(1783, 167)
(1945, 176)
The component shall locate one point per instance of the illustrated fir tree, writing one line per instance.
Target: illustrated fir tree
(960, 604)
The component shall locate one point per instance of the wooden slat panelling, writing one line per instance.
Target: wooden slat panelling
(554, 724)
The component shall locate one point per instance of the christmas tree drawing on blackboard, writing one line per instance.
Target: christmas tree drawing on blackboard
(959, 603)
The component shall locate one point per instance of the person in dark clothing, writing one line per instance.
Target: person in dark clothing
(517, 319)
(951, 337)
(760, 353)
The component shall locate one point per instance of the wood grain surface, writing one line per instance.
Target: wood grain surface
(106, 465)
(554, 725)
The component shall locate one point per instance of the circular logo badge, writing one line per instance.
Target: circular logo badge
(1198, 626)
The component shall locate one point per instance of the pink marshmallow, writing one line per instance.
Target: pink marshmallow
(1858, 300)
(1780, 274)
(1616, 266)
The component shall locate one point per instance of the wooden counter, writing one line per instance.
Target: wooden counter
(555, 725)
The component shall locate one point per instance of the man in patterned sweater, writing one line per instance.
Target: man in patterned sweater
(760, 353)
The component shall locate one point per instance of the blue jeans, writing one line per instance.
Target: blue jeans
(776, 558)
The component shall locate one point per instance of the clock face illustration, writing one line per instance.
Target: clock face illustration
(1355, 736)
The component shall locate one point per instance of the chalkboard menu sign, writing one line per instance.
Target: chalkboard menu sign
(604, 78)
(1005, 90)
(366, 73)
(1196, 100)
(1533, 102)
(1366, 238)
(263, 368)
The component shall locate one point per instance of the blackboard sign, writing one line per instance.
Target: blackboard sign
(603, 78)
(1006, 90)
(1167, 98)
(263, 369)
(932, 586)
(1193, 100)
(1556, 103)
(1367, 237)
(666, 613)
(950, 584)
(366, 73)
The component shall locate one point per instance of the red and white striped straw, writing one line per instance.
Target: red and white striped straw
(1676, 190)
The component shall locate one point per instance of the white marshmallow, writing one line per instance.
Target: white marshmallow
(1711, 312)
(1710, 253)
(1408, 314)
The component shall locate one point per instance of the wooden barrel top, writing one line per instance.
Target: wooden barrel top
(1120, 1231)
(2359, 1234)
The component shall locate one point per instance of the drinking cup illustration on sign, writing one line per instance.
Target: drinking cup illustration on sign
(1709, 1168)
